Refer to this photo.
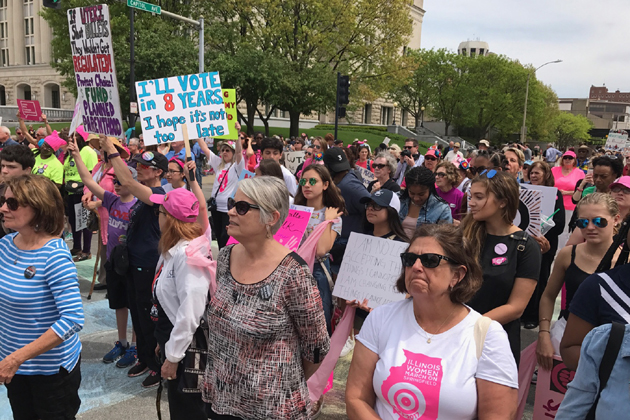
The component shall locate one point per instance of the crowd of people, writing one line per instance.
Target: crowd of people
(237, 335)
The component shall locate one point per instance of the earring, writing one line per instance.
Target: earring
(36, 228)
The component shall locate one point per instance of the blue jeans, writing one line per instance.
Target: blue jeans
(324, 291)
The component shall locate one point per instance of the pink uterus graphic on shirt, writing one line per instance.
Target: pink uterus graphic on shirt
(413, 389)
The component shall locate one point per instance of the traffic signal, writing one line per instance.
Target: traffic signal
(53, 4)
(342, 112)
(343, 89)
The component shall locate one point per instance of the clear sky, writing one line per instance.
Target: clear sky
(591, 37)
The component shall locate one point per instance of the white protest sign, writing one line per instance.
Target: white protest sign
(369, 270)
(293, 159)
(549, 197)
(81, 217)
(616, 141)
(94, 69)
(167, 104)
(78, 114)
(529, 211)
(367, 176)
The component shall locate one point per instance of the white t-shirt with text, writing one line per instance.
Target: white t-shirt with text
(225, 181)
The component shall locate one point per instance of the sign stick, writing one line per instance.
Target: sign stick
(187, 146)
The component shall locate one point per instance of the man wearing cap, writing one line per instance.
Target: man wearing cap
(352, 191)
(46, 163)
(142, 241)
(483, 145)
(454, 154)
(551, 154)
(5, 137)
(583, 160)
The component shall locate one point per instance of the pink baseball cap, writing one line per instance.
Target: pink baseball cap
(623, 181)
(54, 141)
(569, 153)
(179, 203)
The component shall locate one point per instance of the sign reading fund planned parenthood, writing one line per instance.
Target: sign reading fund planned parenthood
(95, 70)
(195, 100)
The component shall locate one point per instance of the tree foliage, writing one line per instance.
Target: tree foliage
(570, 130)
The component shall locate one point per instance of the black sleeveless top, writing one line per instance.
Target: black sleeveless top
(573, 277)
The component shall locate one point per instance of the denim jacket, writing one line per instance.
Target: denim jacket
(433, 211)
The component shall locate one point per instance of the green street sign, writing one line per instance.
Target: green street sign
(147, 7)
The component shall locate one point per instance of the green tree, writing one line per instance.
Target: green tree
(163, 47)
(418, 91)
(570, 130)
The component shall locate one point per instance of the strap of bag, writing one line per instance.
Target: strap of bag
(331, 284)
(609, 358)
(521, 236)
(480, 330)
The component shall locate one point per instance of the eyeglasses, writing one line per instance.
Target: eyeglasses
(440, 174)
(618, 190)
(600, 222)
(430, 158)
(311, 181)
(172, 172)
(11, 202)
(242, 207)
(379, 165)
(372, 205)
(489, 173)
(427, 260)
(117, 182)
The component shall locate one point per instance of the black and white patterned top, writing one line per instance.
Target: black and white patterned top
(258, 336)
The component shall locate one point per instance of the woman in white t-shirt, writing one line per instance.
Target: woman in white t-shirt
(175, 175)
(418, 357)
(227, 168)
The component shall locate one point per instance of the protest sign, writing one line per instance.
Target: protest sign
(29, 110)
(81, 215)
(369, 270)
(616, 141)
(292, 230)
(229, 100)
(529, 211)
(549, 197)
(77, 116)
(245, 174)
(167, 104)
(292, 160)
(550, 389)
(95, 70)
(367, 176)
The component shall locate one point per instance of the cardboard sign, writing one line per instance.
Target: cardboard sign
(529, 211)
(81, 217)
(29, 110)
(293, 159)
(549, 197)
(369, 270)
(95, 70)
(616, 142)
(367, 176)
(229, 100)
(167, 104)
(550, 389)
(292, 230)
(77, 116)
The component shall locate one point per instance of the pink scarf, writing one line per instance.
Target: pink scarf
(199, 254)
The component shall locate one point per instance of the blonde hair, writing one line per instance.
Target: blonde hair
(602, 199)
(176, 230)
(42, 195)
(519, 154)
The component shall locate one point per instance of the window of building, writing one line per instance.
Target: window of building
(463, 51)
(28, 26)
(481, 51)
(367, 114)
(3, 94)
(386, 115)
(29, 33)
(4, 57)
(473, 51)
(4, 34)
(30, 55)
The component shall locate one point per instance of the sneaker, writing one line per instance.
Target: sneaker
(117, 352)
(152, 380)
(348, 347)
(535, 377)
(137, 370)
(130, 358)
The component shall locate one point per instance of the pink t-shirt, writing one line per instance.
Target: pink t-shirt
(567, 183)
(454, 199)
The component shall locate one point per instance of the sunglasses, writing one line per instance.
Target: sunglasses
(408, 147)
(143, 166)
(11, 202)
(317, 146)
(116, 182)
(618, 190)
(372, 205)
(440, 174)
(600, 222)
(567, 158)
(242, 207)
(429, 158)
(489, 173)
(379, 165)
(428, 260)
(308, 154)
(311, 181)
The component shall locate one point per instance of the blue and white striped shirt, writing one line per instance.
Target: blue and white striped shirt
(30, 306)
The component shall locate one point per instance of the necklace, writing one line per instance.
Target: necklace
(430, 336)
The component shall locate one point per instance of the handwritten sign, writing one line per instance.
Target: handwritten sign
(293, 159)
(195, 99)
(229, 100)
(369, 270)
(616, 141)
(292, 230)
(367, 176)
(95, 70)
(550, 389)
(81, 215)
(29, 110)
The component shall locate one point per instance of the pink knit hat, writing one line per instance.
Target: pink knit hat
(179, 203)
(81, 131)
(54, 141)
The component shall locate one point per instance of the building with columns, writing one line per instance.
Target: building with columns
(25, 54)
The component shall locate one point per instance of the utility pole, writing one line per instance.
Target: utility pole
(343, 98)
(529, 74)
(132, 74)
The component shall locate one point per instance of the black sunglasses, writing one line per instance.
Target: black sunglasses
(567, 158)
(429, 158)
(242, 207)
(372, 205)
(379, 165)
(427, 260)
(11, 202)
(408, 147)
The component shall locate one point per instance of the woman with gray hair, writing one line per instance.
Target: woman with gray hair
(267, 332)
(384, 168)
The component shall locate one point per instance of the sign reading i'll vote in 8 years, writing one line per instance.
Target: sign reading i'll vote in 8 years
(369, 270)
(167, 104)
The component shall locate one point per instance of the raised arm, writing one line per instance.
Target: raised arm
(238, 145)
(205, 149)
(27, 136)
(86, 177)
(49, 129)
